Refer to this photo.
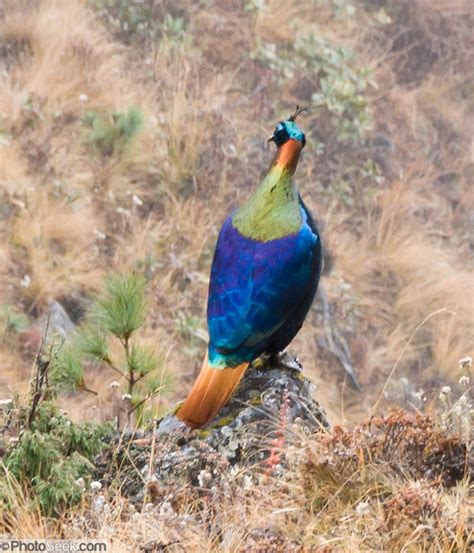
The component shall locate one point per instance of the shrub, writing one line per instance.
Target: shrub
(339, 82)
(118, 312)
(11, 320)
(112, 133)
(49, 458)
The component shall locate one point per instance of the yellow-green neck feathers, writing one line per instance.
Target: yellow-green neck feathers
(273, 211)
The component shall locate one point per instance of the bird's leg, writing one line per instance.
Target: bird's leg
(274, 359)
(263, 362)
(277, 360)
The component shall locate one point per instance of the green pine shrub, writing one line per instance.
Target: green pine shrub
(117, 313)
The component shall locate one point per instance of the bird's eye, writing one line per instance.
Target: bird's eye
(280, 136)
(303, 141)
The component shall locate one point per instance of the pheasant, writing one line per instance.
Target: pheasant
(264, 276)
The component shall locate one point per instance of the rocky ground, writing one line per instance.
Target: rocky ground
(272, 406)
(129, 129)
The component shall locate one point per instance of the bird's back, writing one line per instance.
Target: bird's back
(260, 292)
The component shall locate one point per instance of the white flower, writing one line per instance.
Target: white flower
(204, 478)
(420, 394)
(25, 281)
(167, 510)
(465, 363)
(247, 482)
(136, 200)
(83, 98)
(96, 486)
(114, 384)
(80, 483)
(464, 380)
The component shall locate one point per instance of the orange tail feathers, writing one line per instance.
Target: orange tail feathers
(210, 392)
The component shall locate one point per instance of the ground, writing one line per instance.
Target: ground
(131, 131)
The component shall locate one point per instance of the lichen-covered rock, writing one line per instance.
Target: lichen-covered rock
(273, 406)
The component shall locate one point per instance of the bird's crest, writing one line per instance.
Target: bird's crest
(297, 112)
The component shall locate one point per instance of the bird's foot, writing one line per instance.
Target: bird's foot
(288, 361)
(281, 360)
(261, 363)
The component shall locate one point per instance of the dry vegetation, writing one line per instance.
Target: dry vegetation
(392, 484)
(129, 130)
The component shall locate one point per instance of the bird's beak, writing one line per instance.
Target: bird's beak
(271, 138)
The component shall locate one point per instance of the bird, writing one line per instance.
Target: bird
(264, 276)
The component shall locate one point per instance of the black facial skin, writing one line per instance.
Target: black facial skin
(281, 136)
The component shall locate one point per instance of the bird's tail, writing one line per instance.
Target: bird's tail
(210, 392)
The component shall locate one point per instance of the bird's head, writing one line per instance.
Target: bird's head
(288, 130)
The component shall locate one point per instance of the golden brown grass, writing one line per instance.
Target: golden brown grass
(422, 277)
(400, 252)
(369, 489)
(58, 67)
(56, 242)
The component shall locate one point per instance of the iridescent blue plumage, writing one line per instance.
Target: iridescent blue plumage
(256, 291)
(264, 276)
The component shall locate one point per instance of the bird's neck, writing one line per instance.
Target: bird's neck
(287, 156)
(273, 211)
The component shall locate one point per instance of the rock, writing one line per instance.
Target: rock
(59, 320)
(56, 321)
(51, 327)
(272, 406)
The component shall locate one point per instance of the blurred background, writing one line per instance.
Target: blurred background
(130, 129)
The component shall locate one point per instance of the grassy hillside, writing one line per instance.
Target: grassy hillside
(130, 129)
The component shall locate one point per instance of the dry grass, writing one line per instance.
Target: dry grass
(406, 276)
(391, 484)
(157, 204)
(56, 242)
(57, 67)
(400, 248)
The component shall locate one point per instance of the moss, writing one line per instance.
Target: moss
(224, 421)
(255, 401)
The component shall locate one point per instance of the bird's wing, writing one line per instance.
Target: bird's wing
(255, 285)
